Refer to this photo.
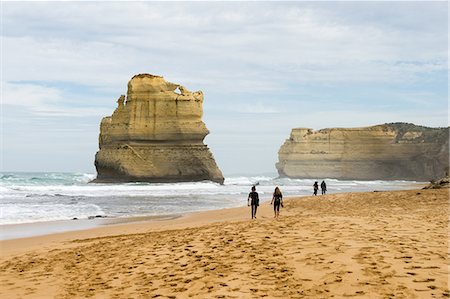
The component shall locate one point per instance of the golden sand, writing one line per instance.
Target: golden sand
(358, 245)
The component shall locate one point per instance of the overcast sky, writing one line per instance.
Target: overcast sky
(264, 68)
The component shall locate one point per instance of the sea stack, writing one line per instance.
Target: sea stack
(155, 135)
(395, 151)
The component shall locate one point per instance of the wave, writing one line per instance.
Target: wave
(57, 178)
(247, 181)
(76, 184)
(84, 177)
(32, 197)
(28, 213)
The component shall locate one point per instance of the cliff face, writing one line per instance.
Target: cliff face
(397, 151)
(155, 135)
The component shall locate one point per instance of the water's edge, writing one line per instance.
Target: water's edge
(46, 198)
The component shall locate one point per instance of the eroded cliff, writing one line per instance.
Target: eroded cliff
(155, 135)
(396, 151)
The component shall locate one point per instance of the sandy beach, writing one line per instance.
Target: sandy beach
(360, 245)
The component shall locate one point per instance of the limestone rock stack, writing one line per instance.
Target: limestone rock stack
(396, 151)
(439, 184)
(156, 135)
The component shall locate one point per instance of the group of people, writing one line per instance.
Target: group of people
(323, 187)
(277, 201)
(277, 198)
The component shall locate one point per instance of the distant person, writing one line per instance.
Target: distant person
(253, 196)
(316, 187)
(323, 186)
(277, 201)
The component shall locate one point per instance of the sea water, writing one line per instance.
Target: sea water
(44, 197)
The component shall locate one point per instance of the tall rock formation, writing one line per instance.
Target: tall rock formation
(396, 151)
(155, 135)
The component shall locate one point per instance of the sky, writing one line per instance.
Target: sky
(264, 68)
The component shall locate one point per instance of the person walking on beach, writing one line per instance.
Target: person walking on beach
(316, 187)
(253, 196)
(323, 186)
(277, 201)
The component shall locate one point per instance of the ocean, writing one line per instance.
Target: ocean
(46, 197)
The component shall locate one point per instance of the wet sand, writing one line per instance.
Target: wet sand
(359, 245)
(29, 230)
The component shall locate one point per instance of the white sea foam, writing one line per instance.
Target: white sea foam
(26, 213)
(85, 177)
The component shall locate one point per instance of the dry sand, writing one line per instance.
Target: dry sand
(363, 245)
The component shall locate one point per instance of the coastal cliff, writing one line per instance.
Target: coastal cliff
(396, 151)
(155, 135)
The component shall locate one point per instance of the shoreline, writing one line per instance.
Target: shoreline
(362, 244)
(42, 228)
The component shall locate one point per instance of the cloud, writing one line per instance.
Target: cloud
(256, 108)
(44, 101)
(264, 67)
(29, 95)
(221, 44)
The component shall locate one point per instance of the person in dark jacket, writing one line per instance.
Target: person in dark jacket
(253, 200)
(323, 186)
(316, 187)
(277, 201)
